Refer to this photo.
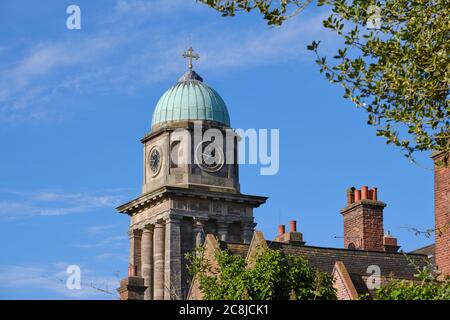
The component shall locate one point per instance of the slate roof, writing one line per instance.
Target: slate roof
(236, 248)
(427, 250)
(397, 265)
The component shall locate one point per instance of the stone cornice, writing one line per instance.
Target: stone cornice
(182, 124)
(152, 197)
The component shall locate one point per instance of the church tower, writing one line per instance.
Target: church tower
(190, 189)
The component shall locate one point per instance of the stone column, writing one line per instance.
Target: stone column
(135, 253)
(147, 261)
(247, 231)
(172, 277)
(222, 230)
(158, 261)
(131, 272)
(198, 231)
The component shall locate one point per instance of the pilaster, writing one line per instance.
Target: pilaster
(172, 276)
(158, 262)
(135, 237)
(147, 260)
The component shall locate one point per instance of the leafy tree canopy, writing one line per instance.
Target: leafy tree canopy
(394, 63)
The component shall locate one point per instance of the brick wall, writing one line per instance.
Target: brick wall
(442, 211)
(341, 291)
(345, 290)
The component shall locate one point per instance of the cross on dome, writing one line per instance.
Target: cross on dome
(191, 55)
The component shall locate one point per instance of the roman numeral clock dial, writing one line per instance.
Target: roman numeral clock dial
(209, 156)
(155, 161)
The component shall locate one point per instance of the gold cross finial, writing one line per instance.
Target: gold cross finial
(191, 55)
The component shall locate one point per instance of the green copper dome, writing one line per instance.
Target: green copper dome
(190, 99)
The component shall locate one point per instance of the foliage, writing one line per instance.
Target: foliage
(394, 62)
(272, 276)
(426, 286)
(274, 13)
(397, 72)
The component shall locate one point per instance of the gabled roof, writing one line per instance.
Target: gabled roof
(239, 249)
(343, 282)
(351, 267)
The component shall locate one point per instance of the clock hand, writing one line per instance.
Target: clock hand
(207, 155)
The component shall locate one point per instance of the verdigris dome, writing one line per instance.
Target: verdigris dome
(190, 99)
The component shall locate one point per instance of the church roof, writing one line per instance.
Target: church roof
(190, 99)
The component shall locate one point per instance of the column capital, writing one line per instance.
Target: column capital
(222, 223)
(159, 223)
(172, 219)
(134, 233)
(199, 222)
(149, 228)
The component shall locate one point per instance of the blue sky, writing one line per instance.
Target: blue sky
(75, 103)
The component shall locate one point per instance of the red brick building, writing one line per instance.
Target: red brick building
(369, 255)
(370, 258)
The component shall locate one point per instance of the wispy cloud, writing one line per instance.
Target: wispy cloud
(100, 228)
(18, 204)
(146, 9)
(113, 241)
(46, 71)
(51, 278)
(111, 255)
(136, 44)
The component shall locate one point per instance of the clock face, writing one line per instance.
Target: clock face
(209, 156)
(155, 161)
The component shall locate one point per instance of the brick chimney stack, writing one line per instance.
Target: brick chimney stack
(281, 229)
(363, 220)
(442, 211)
(390, 243)
(293, 236)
